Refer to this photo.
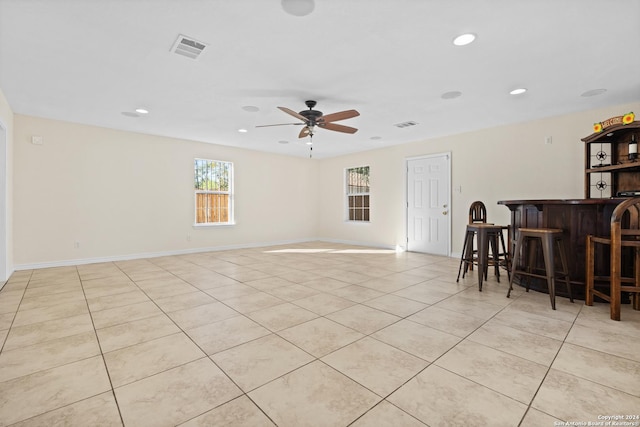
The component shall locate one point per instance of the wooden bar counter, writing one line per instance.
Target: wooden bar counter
(577, 217)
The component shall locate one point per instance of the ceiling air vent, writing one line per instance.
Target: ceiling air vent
(187, 46)
(405, 124)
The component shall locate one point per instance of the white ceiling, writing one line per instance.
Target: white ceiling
(89, 61)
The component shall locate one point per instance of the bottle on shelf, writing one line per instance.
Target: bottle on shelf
(633, 148)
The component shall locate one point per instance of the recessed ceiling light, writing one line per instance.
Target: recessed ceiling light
(464, 39)
(376, 138)
(283, 142)
(298, 7)
(309, 143)
(518, 91)
(243, 130)
(142, 111)
(451, 95)
(593, 92)
(130, 114)
(250, 108)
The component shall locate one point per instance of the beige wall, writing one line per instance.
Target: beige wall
(6, 122)
(507, 162)
(122, 194)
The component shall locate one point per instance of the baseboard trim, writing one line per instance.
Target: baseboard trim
(115, 258)
(368, 244)
(83, 261)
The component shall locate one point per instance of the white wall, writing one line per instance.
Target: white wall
(6, 122)
(122, 194)
(386, 227)
(502, 163)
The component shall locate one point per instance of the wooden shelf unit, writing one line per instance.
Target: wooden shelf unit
(610, 148)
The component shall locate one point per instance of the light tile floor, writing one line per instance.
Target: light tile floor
(312, 334)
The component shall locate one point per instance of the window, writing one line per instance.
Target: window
(213, 191)
(357, 183)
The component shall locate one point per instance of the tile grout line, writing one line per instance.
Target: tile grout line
(206, 356)
(171, 269)
(104, 362)
(24, 291)
(549, 370)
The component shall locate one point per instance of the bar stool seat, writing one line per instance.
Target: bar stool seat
(548, 238)
(489, 237)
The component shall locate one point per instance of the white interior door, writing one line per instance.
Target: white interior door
(428, 201)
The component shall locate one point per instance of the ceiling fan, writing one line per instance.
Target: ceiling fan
(312, 119)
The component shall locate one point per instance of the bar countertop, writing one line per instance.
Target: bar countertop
(541, 202)
(577, 217)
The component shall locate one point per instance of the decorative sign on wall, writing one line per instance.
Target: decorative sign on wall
(625, 120)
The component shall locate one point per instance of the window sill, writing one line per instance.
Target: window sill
(214, 224)
(348, 221)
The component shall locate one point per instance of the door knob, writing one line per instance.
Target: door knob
(445, 212)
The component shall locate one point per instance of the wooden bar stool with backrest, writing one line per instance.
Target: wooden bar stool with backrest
(548, 239)
(478, 224)
(477, 215)
(624, 241)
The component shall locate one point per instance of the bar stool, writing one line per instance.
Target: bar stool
(548, 238)
(477, 214)
(502, 258)
(489, 237)
(622, 243)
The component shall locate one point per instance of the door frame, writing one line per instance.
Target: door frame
(447, 156)
(4, 205)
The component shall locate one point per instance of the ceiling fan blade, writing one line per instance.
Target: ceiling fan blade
(279, 124)
(304, 132)
(342, 115)
(293, 113)
(337, 128)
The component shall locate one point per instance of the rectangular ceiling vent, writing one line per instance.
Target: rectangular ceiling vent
(405, 124)
(187, 46)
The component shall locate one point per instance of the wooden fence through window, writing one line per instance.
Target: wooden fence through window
(212, 208)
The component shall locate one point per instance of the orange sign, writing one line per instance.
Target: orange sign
(625, 120)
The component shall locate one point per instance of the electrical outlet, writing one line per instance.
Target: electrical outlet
(76, 244)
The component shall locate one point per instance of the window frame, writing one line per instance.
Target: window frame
(229, 192)
(348, 209)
